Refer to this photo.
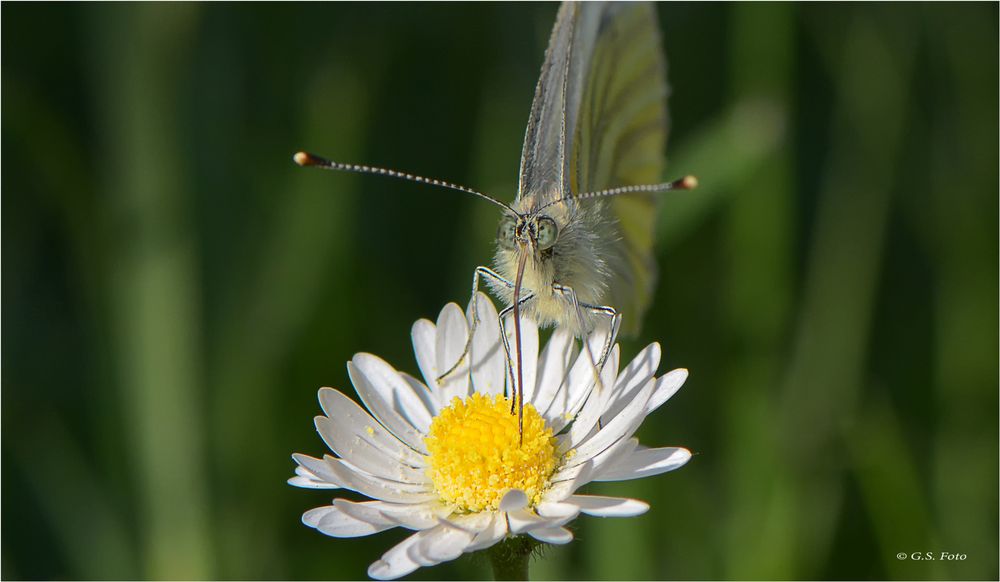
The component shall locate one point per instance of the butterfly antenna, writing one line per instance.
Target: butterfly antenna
(685, 183)
(309, 160)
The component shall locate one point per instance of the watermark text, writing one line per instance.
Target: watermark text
(932, 556)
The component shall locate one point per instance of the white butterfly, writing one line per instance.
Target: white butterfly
(578, 237)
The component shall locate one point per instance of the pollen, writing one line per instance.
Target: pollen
(477, 455)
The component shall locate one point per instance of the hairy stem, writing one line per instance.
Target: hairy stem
(510, 558)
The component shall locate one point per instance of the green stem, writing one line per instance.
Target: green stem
(510, 558)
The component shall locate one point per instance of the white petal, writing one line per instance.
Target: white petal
(304, 478)
(490, 535)
(414, 516)
(423, 392)
(331, 521)
(376, 487)
(513, 500)
(645, 462)
(611, 455)
(580, 380)
(524, 520)
(585, 420)
(312, 517)
(356, 420)
(396, 563)
(621, 426)
(439, 544)
(639, 371)
(363, 454)
(609, 373)
(424, 335)
(599, 462)
(452, 335)
(358, 369)
(561, 490)
(308, 483)
(553, 367)
(472, 523)
(529, 353)
(377, 512)
(552, 535)
(318, 468)
(395, 391)
(557, 511)
(666, 387)
(489, 364)
(601, 506)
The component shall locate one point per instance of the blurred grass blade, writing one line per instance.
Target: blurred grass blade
(760, 260)
(721, 155)
(309, 243)
(142, 54)
(822, 386)
(887, 474)
(87, 519)
(960, 227)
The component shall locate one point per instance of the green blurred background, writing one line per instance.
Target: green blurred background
(175, 289)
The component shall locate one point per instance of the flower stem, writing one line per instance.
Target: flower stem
(510, 558)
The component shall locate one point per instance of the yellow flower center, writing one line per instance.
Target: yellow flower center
(477, 456)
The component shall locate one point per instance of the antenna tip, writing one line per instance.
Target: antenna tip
(689, 182)
(303, 159)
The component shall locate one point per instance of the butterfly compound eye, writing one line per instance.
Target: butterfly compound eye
(506, 232)
(547, 233)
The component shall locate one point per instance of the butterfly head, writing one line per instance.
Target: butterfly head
(536, 233)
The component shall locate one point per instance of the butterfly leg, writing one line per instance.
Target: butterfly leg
(605, 310)
(616, 320)
(479, 272)
(491, 274)
(518, 396)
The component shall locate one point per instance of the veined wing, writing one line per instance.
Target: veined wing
(620, 135)
(544, 153)
(599, 120)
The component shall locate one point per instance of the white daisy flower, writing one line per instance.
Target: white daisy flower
(445, 460)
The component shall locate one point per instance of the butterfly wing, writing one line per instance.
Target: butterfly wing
(543, 157)
(599, 120)
(619, 139)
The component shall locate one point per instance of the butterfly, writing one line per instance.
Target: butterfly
(575, 245)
